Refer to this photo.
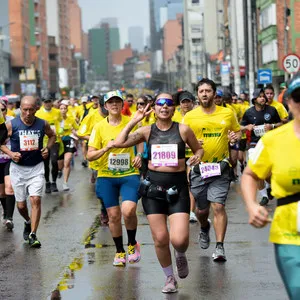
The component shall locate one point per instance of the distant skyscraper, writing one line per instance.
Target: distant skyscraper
(102, 41)
(113, 22)
(174, 7)
(136, 38)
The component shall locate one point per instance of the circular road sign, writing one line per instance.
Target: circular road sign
(291, 63)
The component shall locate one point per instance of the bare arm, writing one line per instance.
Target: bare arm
(193, 143)
(51, 135)
(258, 215)
(94, 153)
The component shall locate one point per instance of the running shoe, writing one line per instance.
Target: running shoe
(104, 219)
(66, 187)
(134, 253)
(181, 265)
(219, 254)
(59, 174)
(54, 187)
(84, 163)
(48, 188)
(264, 201)
(193, 218)
(204, 239)
(9, 224)
(120, 259)
(170, 285)
(33, 241)
(27, 230)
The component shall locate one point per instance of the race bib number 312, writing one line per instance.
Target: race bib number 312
(164, 155)
(29, 142)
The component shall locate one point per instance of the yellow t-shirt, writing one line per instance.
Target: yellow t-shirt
(66, 126)
(132, 109)
(52, 117)
(10, 113)
(88, 123)
(2, 120)
(177, 117)
(102, 133)
(73, 111)
(213, 129)
(268, 158)
(283, 114)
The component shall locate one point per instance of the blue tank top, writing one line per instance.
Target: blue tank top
(28, 140)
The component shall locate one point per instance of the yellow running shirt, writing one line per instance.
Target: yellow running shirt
(66, 126)
(213, 129)
(271, 156)
(88, 123)
(116, 162)
(283, 114)
(2, 120)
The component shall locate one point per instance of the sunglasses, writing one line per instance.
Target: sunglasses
(163, 101)
(47, 101)
(3, 109)
(140, 103)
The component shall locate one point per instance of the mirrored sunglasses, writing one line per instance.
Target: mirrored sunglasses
(163, 101)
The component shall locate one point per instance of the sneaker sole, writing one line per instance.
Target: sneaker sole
(120, 265)
(36, 245)
(134, 261)
(170, 292)
(9, 226)
(219, 258)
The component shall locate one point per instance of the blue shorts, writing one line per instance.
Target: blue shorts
(109, 189)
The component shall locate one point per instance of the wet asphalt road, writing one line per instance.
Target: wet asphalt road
(75, 261)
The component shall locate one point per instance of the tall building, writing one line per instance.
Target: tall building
(18, 11)
(39, 44)
(102, 41)
(75, 26)
(136, 38)
(174, 7)
(53, 66)
(58, 25)
(278, 30)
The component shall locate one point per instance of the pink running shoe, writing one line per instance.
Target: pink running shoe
(134, 253)
(120, 259)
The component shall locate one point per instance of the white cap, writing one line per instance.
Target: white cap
(84, 99)
(65, 102)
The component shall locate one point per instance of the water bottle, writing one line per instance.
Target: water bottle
(144, 186)
(172, 194)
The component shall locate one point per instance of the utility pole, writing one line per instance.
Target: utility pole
(250, 49)
(286, 75)
(234, 48)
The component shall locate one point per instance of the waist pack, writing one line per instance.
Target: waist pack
(158, 192)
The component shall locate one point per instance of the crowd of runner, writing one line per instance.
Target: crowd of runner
(178, 153)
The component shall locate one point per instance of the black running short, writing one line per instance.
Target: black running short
(242, 145)
(167, 180)
(4, 171)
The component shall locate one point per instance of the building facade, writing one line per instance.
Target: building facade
(136, 38)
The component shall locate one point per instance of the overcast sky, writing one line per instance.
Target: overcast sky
(129, 13)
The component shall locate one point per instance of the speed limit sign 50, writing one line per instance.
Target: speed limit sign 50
(291, 63)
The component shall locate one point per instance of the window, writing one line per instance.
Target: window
(268, 16)
(270, 52)
(195, 1)
(196, 41)
(195, 28)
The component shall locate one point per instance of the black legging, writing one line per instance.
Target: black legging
(53, 156)
(3, 133)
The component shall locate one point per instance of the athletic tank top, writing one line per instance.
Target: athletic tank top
(170, 136)
(28, 140)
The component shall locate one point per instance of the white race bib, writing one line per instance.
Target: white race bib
(210, 170)
(164, 155)
(119, 161)
(29, 142)
(259, 130)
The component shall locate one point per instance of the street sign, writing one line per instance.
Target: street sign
(264, 76)
(225, 73)
(291, 63)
